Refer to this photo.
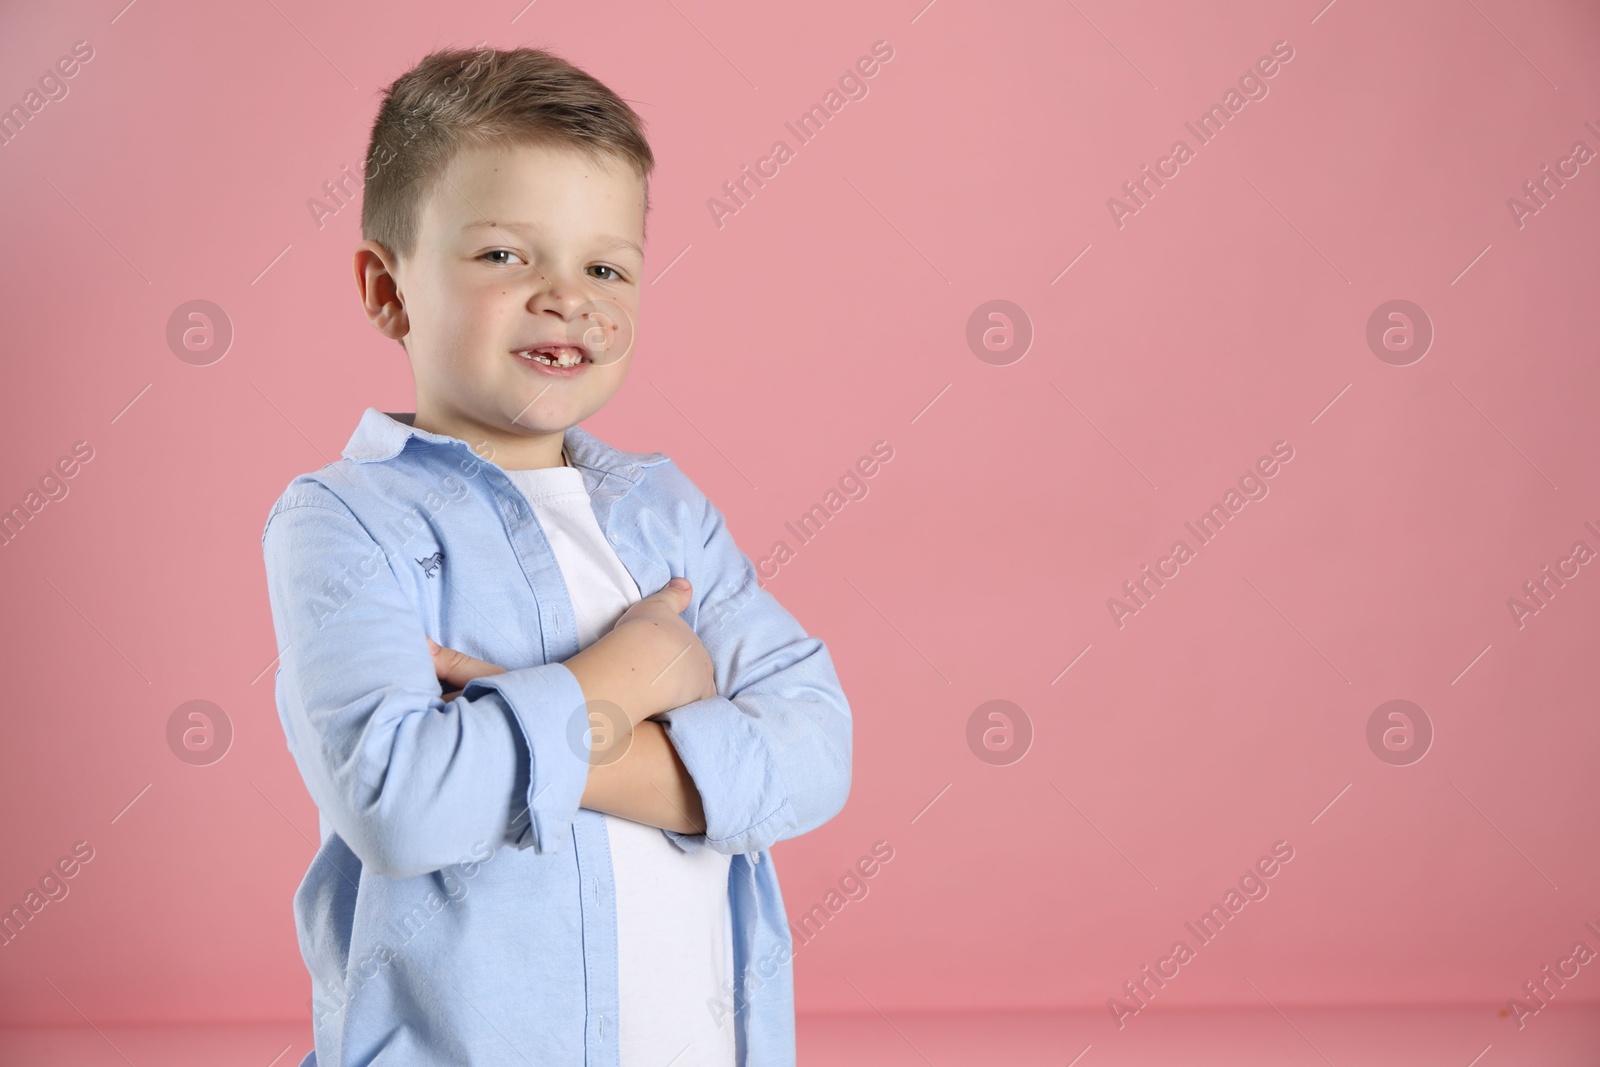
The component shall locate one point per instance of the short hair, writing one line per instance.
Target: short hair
(524, 96)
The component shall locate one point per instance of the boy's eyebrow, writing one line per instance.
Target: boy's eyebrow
(606, 241)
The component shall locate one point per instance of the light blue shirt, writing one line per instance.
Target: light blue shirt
(461, 907)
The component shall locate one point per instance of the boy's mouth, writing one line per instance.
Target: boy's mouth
(555, 355)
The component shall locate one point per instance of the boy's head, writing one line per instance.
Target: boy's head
(504, 209)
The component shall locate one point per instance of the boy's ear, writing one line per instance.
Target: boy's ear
(379, 288)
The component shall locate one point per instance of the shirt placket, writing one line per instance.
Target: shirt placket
(596, 888)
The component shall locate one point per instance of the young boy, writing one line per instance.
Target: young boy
(564, 862)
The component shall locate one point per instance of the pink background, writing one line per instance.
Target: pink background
(830, 313)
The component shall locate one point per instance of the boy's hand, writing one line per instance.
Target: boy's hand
(458, 668)
(651, 661)
(683, 671)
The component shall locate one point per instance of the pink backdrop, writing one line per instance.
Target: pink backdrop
(1174, 344)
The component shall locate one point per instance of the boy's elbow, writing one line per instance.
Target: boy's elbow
(392, 853)
(390, 837)
(392, 866)
(843, 762)
(401, 817)
(840, 792)
(826, 798)
(383, 850)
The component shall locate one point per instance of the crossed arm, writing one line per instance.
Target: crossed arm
(410, 781)
(648, 783)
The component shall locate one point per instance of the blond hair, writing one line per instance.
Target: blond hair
(478, 97)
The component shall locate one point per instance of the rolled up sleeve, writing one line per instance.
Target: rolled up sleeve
(771, 753)
(541, 700)
(410, 781)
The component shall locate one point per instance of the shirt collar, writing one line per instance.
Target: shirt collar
(382, 435)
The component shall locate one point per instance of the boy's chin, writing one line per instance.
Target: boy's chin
(534, 424)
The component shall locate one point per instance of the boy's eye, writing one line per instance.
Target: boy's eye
(615, 275)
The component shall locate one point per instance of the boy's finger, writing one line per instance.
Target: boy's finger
(458, 668)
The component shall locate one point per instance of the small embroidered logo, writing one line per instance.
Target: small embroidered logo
(431, 564)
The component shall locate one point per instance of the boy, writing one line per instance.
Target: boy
(562, 859)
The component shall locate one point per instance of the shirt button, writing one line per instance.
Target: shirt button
(616, 540)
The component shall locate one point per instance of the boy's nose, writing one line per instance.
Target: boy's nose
(559, 293)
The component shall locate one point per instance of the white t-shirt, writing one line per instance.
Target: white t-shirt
(674, 927)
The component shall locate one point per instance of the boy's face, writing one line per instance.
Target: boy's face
(560, 265)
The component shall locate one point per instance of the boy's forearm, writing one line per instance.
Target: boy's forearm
(605, 674)
(648, 784)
